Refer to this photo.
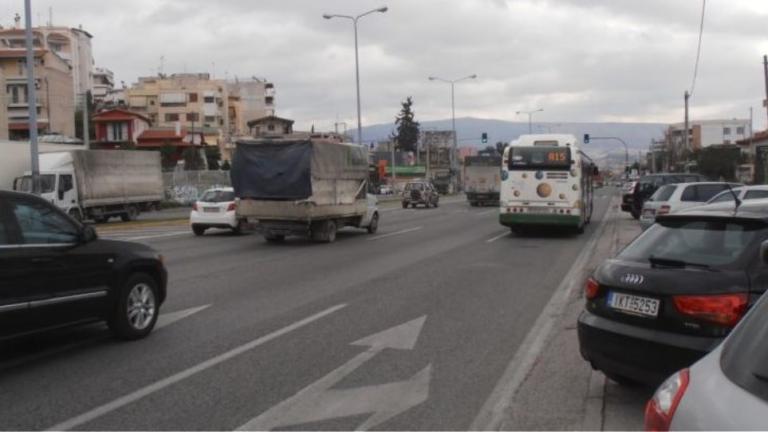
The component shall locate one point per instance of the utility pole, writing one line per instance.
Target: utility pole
(31, 98)
(394, 176)
(685, 133)
(765, 73)
(86, 131)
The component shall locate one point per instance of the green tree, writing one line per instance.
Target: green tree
(213, 156)
(407, 134)
(718, 162)
(79, 117)
(168, 156)
(193, 161)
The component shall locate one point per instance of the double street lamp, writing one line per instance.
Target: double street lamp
(530, 116)
(354, 20)
(453, 113)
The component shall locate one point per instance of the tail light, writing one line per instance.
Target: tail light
(591, 289)
(726, 309)
(231, 207)
(194, 206)
(663, 210)
(660, 410)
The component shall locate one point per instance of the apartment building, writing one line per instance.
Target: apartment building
(53, 81)
(196, 101)
(705, 133)
(3, 111)
(103, 84)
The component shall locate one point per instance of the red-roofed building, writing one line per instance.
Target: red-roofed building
(117, 127)
(179, 137)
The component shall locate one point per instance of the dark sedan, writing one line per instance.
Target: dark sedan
(674, 293)
(56, 272)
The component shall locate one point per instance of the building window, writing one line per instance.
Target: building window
(221, 122)
(192, 117)
(171, 117)
(193, 97)
(740, 130)
(726, 141)
(209, 99)
(269, 100)
(210, 119)
(726, 131)
(117, 132)
(151, 101)
(271, 127)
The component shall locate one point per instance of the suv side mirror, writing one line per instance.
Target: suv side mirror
(764, 252)
(88, 234)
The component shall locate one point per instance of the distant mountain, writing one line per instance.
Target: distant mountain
(638, 136)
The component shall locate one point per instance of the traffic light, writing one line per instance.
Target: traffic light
(586, 138)
(484, 138)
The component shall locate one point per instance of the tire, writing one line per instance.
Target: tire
(274, 238)
(130, 215)
(76, 215)
(238, 230)
(635, 214)
(198, 230)
(374, 225)
(330, 232)
(437, 204)
(137, 308)
(405, 205)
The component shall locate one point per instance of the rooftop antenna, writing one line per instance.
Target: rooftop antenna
(735, 197)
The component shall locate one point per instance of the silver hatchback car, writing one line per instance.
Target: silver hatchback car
(726, 390)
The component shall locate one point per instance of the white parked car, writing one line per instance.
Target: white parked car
(216, 208)
(744, 193)
(674, 197)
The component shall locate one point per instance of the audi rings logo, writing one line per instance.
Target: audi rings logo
(632, 279)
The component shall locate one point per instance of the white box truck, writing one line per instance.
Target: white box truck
(99, 184)
(303, 187)
(16, 157)
(482, 179)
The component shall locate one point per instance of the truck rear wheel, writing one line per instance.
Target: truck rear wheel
(374, 225)
(274, 238)
(324, 232)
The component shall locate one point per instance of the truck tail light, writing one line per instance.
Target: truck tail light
(591, 289)
(663, 210)
(231, 207)
(726, 309)
(660, 410)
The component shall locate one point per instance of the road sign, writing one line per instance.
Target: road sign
(586, 138)
(484, 138)
(321, 401)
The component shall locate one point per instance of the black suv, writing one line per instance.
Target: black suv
(674, 293)
(632, 201)
(420, 192)
(55, 272)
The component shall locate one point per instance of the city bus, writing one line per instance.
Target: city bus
(546, 180)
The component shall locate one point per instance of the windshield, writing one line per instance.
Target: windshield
(47, 183)
(414, 186)
(711, 243)
(217, 196)
(535, 158)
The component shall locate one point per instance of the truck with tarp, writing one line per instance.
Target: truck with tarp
(303, 187)
(482, 178)
(99, 184)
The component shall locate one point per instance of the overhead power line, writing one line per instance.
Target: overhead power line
(698, 49)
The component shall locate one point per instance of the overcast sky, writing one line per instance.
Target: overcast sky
(581, 60)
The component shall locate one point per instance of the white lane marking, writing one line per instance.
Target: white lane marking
(167, 319)
(492, 414)
(483, 213)
(505, 234)
(405, 231)
(146, 237)
(200, 367)
(320, 401)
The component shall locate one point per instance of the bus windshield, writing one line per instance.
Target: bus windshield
(535, 158)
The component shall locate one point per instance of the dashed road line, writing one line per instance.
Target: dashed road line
(405, 231)
(493, 239)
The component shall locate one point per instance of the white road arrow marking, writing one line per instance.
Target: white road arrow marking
(319, 402)
(171, 317)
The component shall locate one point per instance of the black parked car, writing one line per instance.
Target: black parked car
(674, 293)
(632, 201)
(55, 272)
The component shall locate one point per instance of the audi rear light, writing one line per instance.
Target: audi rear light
(232, 207)
(663, 210)
(194, 206)
(724, 309)
(591, 289)
(660, 410)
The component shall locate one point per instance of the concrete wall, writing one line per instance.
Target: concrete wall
(185, 187)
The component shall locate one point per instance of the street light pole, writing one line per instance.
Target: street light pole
(453, 114)
(31, 98)
(354, 20)
(530, 118)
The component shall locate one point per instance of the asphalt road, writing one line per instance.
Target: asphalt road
(411, 328)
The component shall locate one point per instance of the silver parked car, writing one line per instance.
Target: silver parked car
(726, 390)
(743, 193)
(675, 197)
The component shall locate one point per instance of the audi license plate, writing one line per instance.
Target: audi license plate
(633, 304)
(210, 209)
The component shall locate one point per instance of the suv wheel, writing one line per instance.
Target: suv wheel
(405, 205)
(136, 311)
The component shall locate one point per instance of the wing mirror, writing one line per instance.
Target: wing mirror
(88, 234)
(764, 252)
